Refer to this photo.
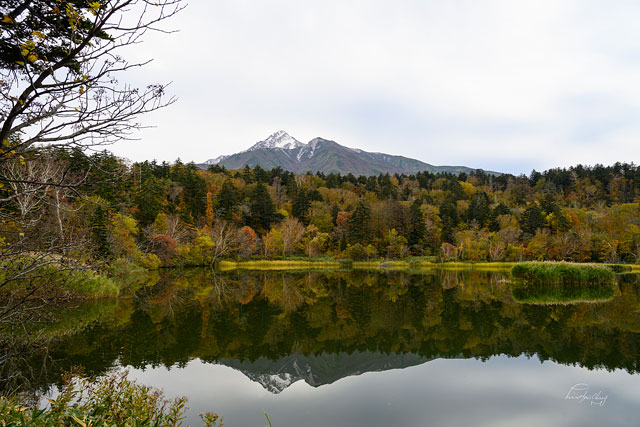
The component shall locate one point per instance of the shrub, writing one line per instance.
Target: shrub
(92, 284)
(355, 252)
(149, 261)
(560, 273)
(109, 401)
(163, 246)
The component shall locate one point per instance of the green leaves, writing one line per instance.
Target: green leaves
(109, 401)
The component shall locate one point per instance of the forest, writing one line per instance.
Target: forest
(162, 215)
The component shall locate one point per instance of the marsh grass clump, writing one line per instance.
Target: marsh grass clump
(562, 273)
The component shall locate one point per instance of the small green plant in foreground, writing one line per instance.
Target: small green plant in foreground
(110, 401)
(562, 273)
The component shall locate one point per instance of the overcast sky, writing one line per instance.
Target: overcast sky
(500, 85)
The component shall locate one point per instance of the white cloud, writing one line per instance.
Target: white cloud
(501, 85)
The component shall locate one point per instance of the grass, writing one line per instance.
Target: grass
(278, 265)
(328, 263)
(382, 264)
(561, 273)
(558, 294)
(294, 263)
(552, 272)
(466, 265)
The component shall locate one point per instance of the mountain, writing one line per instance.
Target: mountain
(317, 370)
(282, 150)
(280, 140)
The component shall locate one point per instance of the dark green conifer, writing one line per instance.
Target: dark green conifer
(417, 227)
(102, 246)
(479, 209)
(359, 224)
(227, 199)
(300, 207)
(449, 217)
(532, 219)
(262, 210)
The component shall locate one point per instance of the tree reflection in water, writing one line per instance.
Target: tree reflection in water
(365, 319)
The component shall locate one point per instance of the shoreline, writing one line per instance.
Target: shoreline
(383, 264)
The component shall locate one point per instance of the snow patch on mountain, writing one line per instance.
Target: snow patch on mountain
(274, 383)
(288, 373)
(307, 150)
(217, 160)
(280, 139)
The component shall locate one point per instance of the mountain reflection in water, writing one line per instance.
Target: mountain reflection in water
(317, 370)
(328, 329)
(279, 328)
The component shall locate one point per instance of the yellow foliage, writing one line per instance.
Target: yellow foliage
(38, 34)
(160, 224)
(204, 242)
(468, 188)
(122, 231)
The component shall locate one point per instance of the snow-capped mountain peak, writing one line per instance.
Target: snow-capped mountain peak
(323, 155)
(280, 139)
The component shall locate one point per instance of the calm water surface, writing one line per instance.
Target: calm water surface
(349, 348)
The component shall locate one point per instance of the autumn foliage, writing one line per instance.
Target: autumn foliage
(182, 215)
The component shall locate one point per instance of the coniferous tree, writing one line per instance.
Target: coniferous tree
(359, 224)
(247, 175)
(479, 209)
(449, 217)
(417, 227)
(227, 199)
(386, 187)
(315, 196)
(300, 207)
(262, 210)
(532, 219)
(102, 246)
(194, 194)
(372, 184)
(501, 209)
(548, 204)
(149, 199)
(333, 180)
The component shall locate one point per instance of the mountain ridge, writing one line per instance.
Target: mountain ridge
(323, 155)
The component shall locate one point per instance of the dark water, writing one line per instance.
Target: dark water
(365, 349)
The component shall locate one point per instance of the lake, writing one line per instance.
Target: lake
(363, 348)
